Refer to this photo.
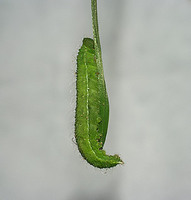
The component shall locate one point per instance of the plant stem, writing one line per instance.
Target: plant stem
(97, 44)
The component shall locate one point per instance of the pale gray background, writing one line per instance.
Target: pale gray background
(147, 62)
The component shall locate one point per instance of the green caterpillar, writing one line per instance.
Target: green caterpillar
(92, 109)
(92, 105)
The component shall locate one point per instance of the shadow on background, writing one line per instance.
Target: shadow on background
(80, 196)
(107, 192)
(108, 195)
(113, 35)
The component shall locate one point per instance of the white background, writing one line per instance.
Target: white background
(146, 48)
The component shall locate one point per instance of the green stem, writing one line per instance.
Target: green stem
(97, 44)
